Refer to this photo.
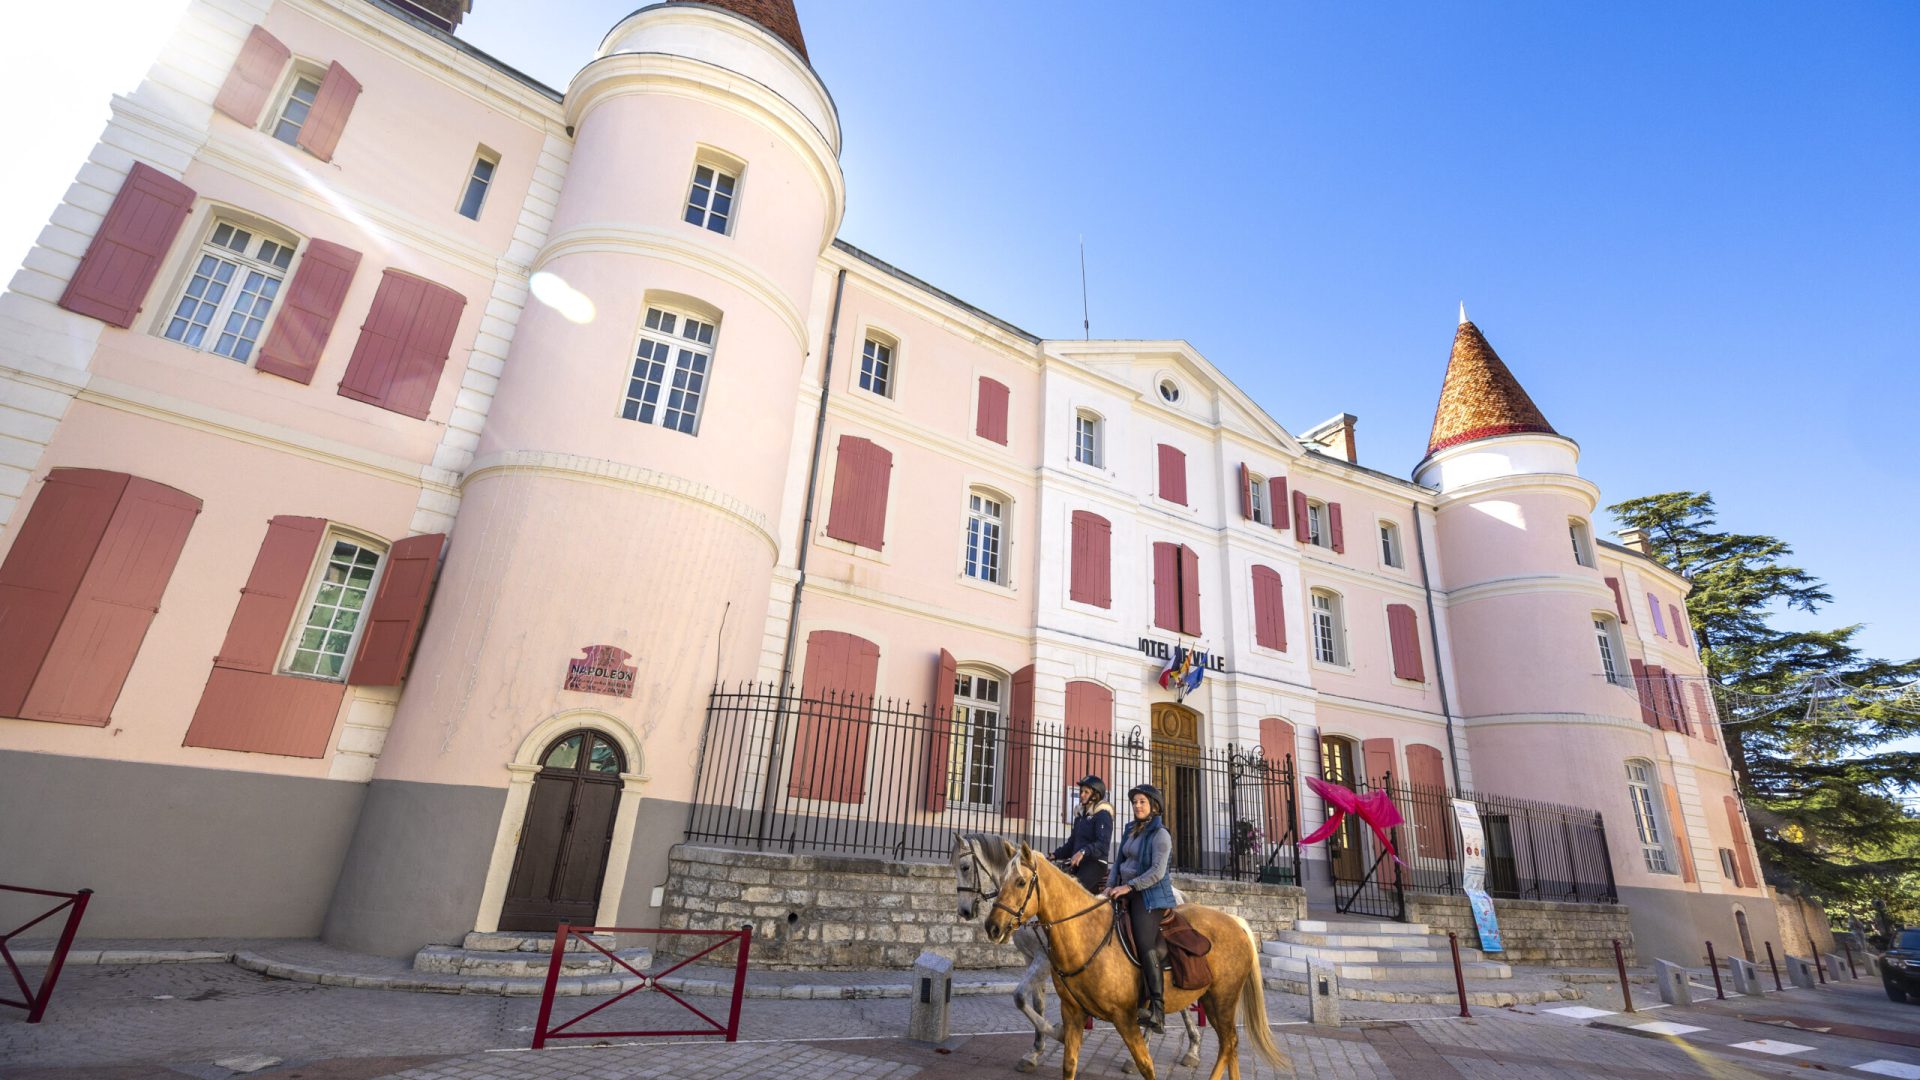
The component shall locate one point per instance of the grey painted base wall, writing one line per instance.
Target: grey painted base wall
(656, 829)
(416, 868)
(1672, 925)
(175, 852)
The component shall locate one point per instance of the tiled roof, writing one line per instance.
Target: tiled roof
(1480, 398)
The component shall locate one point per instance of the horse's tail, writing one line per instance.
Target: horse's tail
(1253, 1005)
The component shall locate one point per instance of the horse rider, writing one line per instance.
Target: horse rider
(1087, 848)
(1141, 885)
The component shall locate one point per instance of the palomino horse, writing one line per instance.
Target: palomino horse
(972, 853)
(1095, 977)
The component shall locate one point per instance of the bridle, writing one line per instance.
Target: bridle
(979, 871)
(1019, 914)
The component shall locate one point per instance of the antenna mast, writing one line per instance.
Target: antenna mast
(1086, 326)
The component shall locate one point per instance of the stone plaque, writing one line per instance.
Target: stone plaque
(601, 669)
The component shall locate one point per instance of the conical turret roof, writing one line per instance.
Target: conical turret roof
(1480, 398)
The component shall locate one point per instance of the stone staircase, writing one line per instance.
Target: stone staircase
(510, 955)
(1393, 961)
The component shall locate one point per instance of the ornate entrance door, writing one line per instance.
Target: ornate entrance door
(566, 836)
(1176, 772)
(1336, 767)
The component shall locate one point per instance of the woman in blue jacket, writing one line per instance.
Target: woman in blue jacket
(1141, 884)
(1086, 850)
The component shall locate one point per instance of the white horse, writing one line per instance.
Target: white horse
(973, 855)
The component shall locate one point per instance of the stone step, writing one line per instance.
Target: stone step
(500, 963)
(1368, 941)
(1479, 970)
(1368, 956)
(515, 941)
(1361, 926)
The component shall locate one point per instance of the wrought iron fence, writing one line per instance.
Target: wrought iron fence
(863, 774)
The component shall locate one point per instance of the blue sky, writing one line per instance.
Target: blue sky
(1691, 230)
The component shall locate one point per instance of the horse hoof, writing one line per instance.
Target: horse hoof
(1127, 1067)
(1191, 1060)
(1026, 1065)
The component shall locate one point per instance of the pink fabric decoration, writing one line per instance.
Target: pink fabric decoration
(1376, 809)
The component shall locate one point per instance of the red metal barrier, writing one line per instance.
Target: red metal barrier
(544, 1029)
(1459, 977)
(1620, 961)
(35, 1001)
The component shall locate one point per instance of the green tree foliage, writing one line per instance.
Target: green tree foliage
(1821, 786)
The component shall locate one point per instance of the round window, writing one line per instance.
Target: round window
(1168, 391)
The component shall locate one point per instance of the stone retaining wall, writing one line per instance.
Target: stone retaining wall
(846, 912)
(1535, 931)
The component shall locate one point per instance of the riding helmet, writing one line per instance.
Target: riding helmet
(1153, 796)
(1098, 785)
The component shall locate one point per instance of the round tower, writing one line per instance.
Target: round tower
(613, 551)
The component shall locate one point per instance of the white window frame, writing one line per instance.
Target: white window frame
(1326, 621)
(253, 276)
(979, 724)
(1606, 636)
(672, 366)
(1392, 555)
(1649, 826)
(698, 210)
(984, 540)
(1319, 529)
(1167, 389)
(311, 600)
(491, 160)
(879, 374)
(1259, 512)
(287, 97)
(1087, 437)
(1580, 534)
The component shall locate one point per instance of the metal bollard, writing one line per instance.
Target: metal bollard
(1459, 976)
(1851, 970)
(1718, 991)
(1776, 969)
(1620, 961)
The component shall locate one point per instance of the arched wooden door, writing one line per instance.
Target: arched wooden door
(1337, 766)
(1176, 772)
(566, 836)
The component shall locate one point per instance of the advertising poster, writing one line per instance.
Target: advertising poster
(1473, 874)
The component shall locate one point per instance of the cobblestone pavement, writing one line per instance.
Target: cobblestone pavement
(180, 1020)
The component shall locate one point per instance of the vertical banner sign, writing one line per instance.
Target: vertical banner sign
(1473, 874)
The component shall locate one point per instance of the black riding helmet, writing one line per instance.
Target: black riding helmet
(1098, 785)
(1153, 796)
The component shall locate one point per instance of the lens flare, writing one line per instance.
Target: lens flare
(553, 291)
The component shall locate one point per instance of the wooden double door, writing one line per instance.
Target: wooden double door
(567, 835)
(1176, 772)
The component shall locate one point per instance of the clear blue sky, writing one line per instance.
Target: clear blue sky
(1691, 230)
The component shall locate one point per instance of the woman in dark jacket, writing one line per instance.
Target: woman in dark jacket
(1086, 850)
(1140, 882)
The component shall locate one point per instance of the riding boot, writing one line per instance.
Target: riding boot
(1153, 1015)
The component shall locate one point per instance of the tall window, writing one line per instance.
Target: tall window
(1328, 628)
(1603, 636)
(335, 606)
(294, 110)
(227, 298)
(680, 343)
(1582, 540)
(710, 202)
(985, 525)
(1390, 554)
(976, 739)
(479, 178)
(1645, 818)
(1086, 439)
(1257, 499)
(1318, 533)
(876, 367)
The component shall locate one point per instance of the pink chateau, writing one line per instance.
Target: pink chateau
(376, 493)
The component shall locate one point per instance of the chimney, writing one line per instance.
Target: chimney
(1637, 540)
(445, 14)
(1335, 438)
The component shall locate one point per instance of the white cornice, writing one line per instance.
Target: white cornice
(1203, 369)
(619, 474)
(944, 314)
(1521, 585)
(1566, 483)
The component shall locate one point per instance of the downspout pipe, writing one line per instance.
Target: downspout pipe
(813, 483)
(1433, 634)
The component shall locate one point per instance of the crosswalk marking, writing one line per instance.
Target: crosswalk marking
(1772, 1046)
(1891, 1068)
(1667, 1027)
(1580, 1012)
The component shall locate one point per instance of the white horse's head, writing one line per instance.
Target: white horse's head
(980, 863)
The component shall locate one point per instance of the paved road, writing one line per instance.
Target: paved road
(131, 1023)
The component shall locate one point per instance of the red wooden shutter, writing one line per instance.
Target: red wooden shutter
(1091, 576)
(270, 600)
(1378, 755)
(403, 345)
(117, 599)
(266, 714)
(862, 474)
(328, 117)
(43, 572)
(1647, 715)
(307, 311)
(1432, 816)
(1166, 586)
(1742, 851)
(830, 743)
(1657, 690)
(1189, 592)
(1619, 599)
(399, 607)
(1019, 776)
(121, 262)
(940, 733)
(1089, 731)
(1334, 526)
(1403, 631)
(1653, 606)
(1679, 625)
(253, 77)
(1678, 822)
(1269, 609)
(1173, 474)
(1704, 709)
(1246, 491)
(990, 420)
(1277, 499)
(1276, 746)
(1301, 529)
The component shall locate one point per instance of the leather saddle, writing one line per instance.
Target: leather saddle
(1187, 948)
